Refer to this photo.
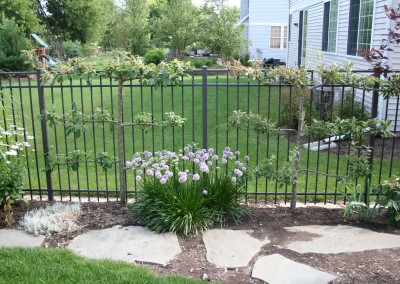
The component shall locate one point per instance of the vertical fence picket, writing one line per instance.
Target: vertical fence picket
(42, 107)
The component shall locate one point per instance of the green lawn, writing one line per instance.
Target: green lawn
(185, 101)
(50, 266)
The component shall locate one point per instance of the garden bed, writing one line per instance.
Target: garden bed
(266, 220)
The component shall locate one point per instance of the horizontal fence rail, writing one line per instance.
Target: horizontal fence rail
(207, 100)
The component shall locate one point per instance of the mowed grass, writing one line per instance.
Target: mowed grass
(184, 100)
(39, 265)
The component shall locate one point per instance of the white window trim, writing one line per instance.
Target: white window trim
(372, 32)
(282, 37)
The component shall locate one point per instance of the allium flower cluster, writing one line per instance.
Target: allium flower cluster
(186, 165)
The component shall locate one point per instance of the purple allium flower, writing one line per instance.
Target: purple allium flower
(209, 163)
(215, 157)
(211, 151)
(238, 163)
(227, 149)
(246, 158)
(158, 175)
(204, 168)
(150, 172)
(204, 192)
(224, 161)
(238, 172)
(186, 148)
(183, 179)
(163, 180)
(138, 178)
(139, 172)
(129, 164)
(169, 173)
(237, 153)
(234, 179)
(196, 177)
(196, 161)
(166, 167)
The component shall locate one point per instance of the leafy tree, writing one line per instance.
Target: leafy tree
(82, 20)
(24, 13)
(130, 28)
(176, 25)
(221, 33)
(12, 42)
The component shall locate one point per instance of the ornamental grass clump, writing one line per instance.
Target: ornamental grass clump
(189, 191)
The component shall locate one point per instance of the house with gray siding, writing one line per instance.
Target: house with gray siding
(331, 31)
(266, 27)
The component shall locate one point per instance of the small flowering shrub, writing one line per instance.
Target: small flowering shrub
(12, 167)
(188, 191)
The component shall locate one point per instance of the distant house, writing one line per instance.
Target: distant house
(266, 27)
(334, 30)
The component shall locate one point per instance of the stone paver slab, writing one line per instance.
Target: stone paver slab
(231, 248)
(341, 238)
(278, 269)
(18, 238)
(129, 244)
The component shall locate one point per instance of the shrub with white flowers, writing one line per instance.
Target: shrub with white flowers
(190, 190)
(13, 143)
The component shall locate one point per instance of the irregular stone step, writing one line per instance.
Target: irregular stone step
(131, 244)
(341, 238)
(278, 269)
(231, 248)
(18, 238)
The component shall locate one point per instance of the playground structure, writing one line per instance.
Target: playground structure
(41, 51)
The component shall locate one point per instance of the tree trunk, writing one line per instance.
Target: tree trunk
(293, 199)
(121, 161)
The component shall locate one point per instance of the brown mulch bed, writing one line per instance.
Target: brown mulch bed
(375, 266)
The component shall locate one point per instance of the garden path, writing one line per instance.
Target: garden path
(225, 248)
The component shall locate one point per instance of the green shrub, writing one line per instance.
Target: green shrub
(351, 108)
(89, 49)
(72, 49)
(186, 193)
(12, 164)
(154, 56)
(389, 197)
(200, 62)
(12, 42)
(243, 58)
(289, 104)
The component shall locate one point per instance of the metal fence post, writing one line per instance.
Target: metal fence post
(374, 114)
(45, 141)
(204, 103)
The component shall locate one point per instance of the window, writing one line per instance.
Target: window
(360, 25)
(304, 35)
(329, 31)
(278, 37)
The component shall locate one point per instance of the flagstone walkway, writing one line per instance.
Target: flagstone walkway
(225, 248)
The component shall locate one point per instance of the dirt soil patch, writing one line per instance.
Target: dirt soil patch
(374, 266)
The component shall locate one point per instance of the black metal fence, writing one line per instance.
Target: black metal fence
(206, 101)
